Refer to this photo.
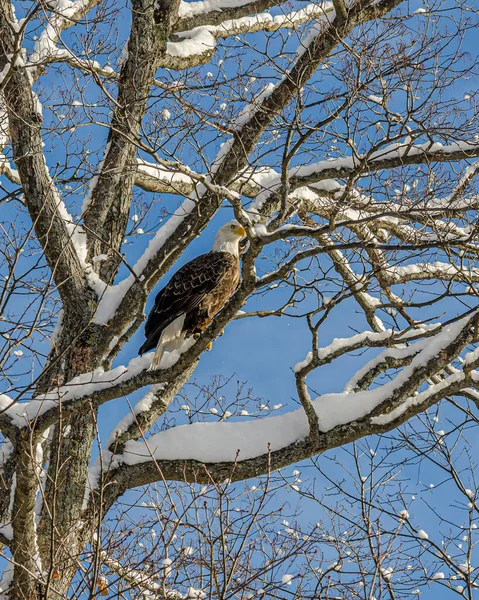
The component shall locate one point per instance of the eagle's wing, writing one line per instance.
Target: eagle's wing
(185, 290)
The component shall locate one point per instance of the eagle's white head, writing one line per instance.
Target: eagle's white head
(228, 238)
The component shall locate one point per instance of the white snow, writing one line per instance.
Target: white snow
(437, 576)
(142, 406)
(198, 41)
(376, 99)
(194, 594)
(94, 180)
(162, 173)
(341, 345)
(45, 47)
(286, 579)
(422, 535)
(191, 9)
(251, 109)
(6, 450)
(225, 441)
(203, 38)
(86, 384)
(7, 531)
(100, 258)
(430, 270)
(111, 296)
(220, 441)
(393, 151)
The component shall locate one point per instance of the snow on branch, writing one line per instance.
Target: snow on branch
(221, 443)
(112, 296)
(144, 581)
(67, 13)
(144, 405)
(192, 9)
(397, 154)
(341, 346)
(10, 173)
(154, 177)
(322, 175)
(202, 40)
(436, 270)
(107, 384)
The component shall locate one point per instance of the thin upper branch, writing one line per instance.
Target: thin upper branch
(44, 204)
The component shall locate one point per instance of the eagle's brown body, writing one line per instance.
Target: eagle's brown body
(199, 290)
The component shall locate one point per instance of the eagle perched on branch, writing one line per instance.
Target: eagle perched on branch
(195, 294)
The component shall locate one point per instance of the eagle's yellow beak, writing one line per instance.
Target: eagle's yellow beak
(240, 230)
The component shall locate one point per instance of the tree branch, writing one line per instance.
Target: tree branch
(106, 208)
(54, 232)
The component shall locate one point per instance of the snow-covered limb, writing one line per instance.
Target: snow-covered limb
(145, 413)
(138, 467)
(10, 173)
(200, 42)
(469, 174)
(211, 12)
(388, 358)
(366, 339)
(202, 451)
(341, 346)
(97, 384)
(139, 579)
(396, 352)
(394, 155)
(437, 270)
(441, 389)
(66, 14)
(154, 177)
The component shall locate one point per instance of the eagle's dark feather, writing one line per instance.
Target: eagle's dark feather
(199, 290)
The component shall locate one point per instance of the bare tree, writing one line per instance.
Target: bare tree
(342, 136)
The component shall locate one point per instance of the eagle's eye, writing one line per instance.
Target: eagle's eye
(232, 226)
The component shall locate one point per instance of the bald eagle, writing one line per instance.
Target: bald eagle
(195, 294)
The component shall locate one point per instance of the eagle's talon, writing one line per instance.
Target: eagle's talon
(222, 332)
(209, 346)
(197, 336)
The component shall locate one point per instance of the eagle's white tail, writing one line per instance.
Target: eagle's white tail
(171, 338)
